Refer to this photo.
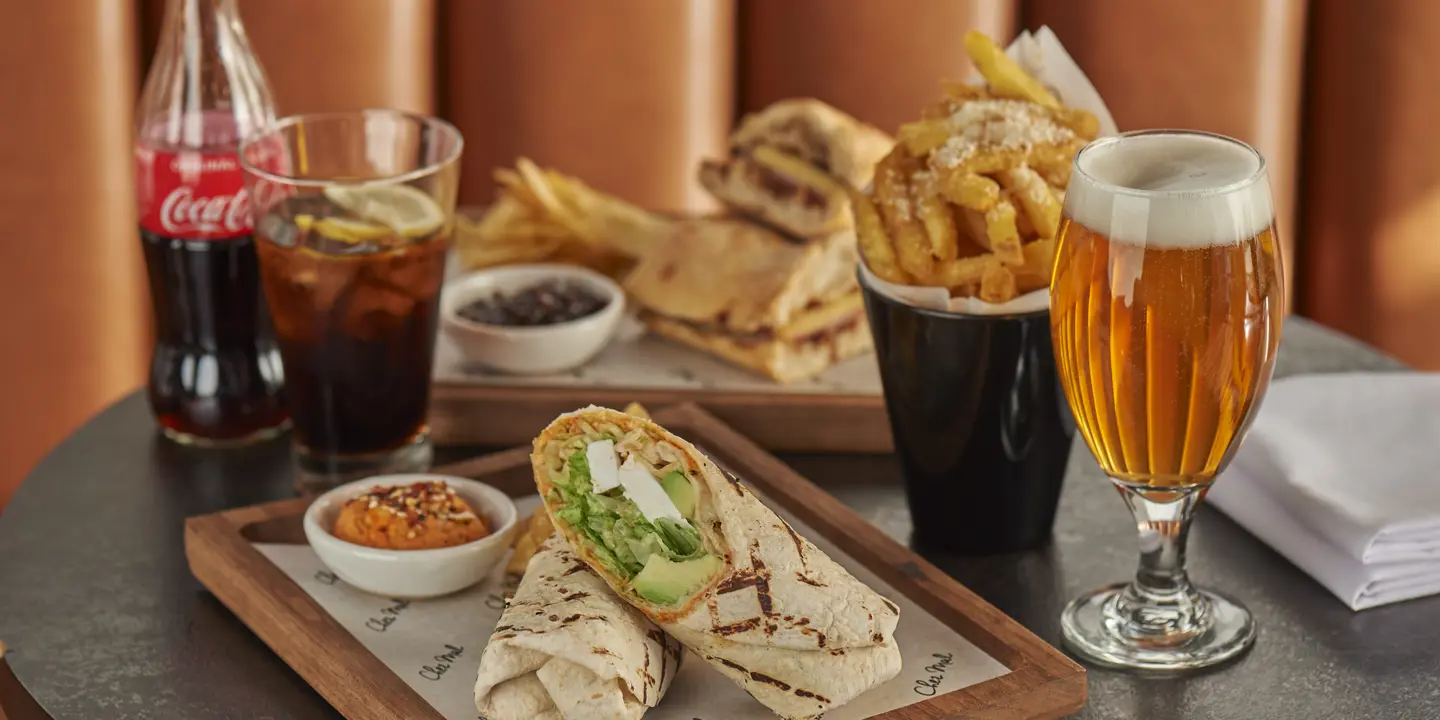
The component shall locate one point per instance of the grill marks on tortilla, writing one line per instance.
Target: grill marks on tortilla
(801, 692)
(578, 595)
(739, 627)
(581, 616)
(800, 551)
(890, 605)
(768, 680)
(758, 577)
(734, 483)
(579, 566)
(799, 542)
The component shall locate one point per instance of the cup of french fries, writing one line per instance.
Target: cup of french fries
(963, 213)
(957, 238)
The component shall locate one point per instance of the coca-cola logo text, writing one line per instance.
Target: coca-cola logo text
(183, 211)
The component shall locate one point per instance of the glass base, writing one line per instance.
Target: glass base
(317, 472)
(259, 436)
(1211, 629)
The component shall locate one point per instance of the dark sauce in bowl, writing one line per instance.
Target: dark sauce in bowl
(548, 302)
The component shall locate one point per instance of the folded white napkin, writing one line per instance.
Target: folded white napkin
(1341, 474)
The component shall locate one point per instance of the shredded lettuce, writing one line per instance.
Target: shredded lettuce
(621, 537)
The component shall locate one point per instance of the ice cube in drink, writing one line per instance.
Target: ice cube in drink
(356, 302)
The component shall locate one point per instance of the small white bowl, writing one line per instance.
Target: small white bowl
(537, 349)
(412, 574)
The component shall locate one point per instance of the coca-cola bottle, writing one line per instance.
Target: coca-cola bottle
(215, 376)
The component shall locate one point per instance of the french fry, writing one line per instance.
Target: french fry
(1006, 78)
(1058, 175)
(1039, 265)
(1053, 155)
(525, 548)
(1022, 220)
(1003, 235)
(892, 191)
(969, 190)
(528, 541)
(540, 527)
(975, 222)
(1036, 199)
(1081, 122)
(998, 285)
(964, 271)
(924, 136)
(958, 92)
(635, 409)
(935, 216)
(875, 245)
(968, 224)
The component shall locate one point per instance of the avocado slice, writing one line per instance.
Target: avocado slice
(666, 582)
(681, 492)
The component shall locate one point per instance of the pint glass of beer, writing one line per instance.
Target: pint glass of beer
(1165, 314)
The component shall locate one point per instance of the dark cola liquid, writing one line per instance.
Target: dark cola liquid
(215, 376)
(356, 323)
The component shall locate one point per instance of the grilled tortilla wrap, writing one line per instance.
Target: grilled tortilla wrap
(729, 579)
(739, 276)
(567, 649)
(790, 163)
(810, 343)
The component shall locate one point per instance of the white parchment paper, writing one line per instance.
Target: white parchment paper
(1041, 55)
(435, 645)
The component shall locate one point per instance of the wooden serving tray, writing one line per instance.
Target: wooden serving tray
(462, 414)
(1042, 682)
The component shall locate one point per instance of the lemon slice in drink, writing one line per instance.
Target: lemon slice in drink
(398, 208)
(342, 229)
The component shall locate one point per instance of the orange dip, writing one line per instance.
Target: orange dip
(421, 516)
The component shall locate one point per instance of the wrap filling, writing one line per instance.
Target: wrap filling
(631, 502)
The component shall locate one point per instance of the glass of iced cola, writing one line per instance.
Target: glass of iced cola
(353, 214)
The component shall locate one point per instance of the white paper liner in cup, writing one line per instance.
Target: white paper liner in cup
(1041, 55)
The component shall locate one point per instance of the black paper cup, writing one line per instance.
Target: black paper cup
(980, 423)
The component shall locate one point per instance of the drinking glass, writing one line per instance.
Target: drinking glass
(1165, 313)
(353, 216)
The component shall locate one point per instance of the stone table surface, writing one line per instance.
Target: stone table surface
(103, 619)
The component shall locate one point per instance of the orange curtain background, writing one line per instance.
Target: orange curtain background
(629, 94)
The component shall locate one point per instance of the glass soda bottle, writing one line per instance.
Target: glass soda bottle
(215, 375)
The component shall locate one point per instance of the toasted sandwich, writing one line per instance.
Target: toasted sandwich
(790, 163)
(763, 300)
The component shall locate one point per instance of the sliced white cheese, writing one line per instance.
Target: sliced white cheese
(603, 465)
(645, 491)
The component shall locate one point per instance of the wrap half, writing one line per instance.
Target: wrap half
(567, 649)
(715, 568)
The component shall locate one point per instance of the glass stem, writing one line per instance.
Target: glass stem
(1161, 606)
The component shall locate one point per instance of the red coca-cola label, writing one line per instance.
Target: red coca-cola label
(192, 194)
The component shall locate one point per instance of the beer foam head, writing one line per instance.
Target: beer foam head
(1170, 189)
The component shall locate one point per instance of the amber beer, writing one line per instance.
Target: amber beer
(1166, 304)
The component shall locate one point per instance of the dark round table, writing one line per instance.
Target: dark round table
(103, 619)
